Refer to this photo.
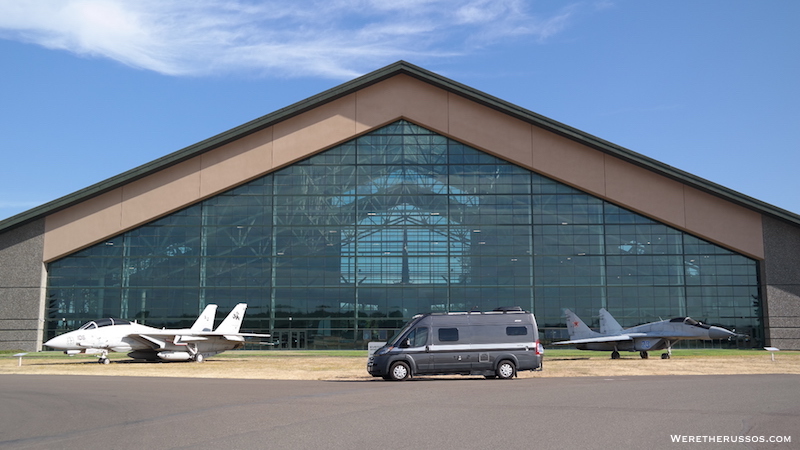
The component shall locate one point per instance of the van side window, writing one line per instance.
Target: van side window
(516, 331)
(418, 337)
(448, 334)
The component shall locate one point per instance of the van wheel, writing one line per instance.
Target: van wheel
(399, 371)
(505, 370)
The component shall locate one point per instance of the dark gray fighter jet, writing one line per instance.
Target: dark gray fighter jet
(642, 338)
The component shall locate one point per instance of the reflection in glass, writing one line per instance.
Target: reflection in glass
(345, 246)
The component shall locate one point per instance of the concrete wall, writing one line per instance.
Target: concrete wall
(22, 287)
(781, 284)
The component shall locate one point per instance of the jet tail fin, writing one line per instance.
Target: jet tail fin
(233, 322)
(608, 324)
(205, 322)
(576, 328)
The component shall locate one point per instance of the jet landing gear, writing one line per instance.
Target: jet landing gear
(196, 355)
(615, 355)
(644, 355)
(103, 358)
(667, 355)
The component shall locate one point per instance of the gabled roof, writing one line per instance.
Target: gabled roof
(400, 67)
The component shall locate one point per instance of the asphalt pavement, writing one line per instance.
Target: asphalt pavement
(102, 412)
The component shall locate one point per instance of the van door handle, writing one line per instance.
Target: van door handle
(427, 348)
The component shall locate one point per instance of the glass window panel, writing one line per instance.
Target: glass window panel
(354, 241)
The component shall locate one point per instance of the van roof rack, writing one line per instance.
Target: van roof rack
(500, 310)
(508, 308)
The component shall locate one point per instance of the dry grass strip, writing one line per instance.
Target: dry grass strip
(278, 365)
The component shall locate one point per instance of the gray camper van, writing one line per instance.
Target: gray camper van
(494, 344)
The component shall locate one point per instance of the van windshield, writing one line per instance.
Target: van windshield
(396, 338)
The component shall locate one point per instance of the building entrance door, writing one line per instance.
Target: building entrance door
(290, 340)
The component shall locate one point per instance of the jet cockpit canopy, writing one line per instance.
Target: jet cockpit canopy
(91, 325)
(690, 321)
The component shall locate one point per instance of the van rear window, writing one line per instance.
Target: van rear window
(448, 334)
(516, 331)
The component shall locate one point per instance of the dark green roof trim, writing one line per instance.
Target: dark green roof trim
(400, 67)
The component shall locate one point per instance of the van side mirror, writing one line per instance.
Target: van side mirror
(406, 343)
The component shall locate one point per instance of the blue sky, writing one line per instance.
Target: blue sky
(92, 88)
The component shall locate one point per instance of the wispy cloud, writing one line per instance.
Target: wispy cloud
(329, 38)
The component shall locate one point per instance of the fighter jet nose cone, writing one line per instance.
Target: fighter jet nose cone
(56, 342)
(720, 333)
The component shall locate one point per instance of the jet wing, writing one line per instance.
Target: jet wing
(158, 339)
(599, 339)
(225, 335)
(245, 334)
(186, 334)
(233, 336)
(617, 338)
(155, 343)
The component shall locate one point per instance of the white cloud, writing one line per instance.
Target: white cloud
(333, 38)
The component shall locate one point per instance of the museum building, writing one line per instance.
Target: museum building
(340, 217)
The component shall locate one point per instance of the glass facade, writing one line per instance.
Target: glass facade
(345, 246)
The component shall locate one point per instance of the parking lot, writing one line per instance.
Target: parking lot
(72, 411)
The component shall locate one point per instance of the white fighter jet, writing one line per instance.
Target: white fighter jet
(642, 338)
(98, 337)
